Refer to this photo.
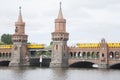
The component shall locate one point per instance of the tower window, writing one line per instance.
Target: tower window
(64, 47)
(56, 47)
(102, 55)
(16, 30)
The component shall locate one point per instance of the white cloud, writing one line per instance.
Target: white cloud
(87, 20)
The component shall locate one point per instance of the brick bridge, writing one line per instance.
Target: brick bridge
(32, 50)
(102, 54)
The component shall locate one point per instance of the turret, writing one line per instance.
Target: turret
(19, 48)
(19, 35)
(60, 38)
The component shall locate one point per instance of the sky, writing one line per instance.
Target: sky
(88, 21)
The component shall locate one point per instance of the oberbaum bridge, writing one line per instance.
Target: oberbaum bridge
(99, 55)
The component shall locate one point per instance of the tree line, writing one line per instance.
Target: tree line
(6, 39)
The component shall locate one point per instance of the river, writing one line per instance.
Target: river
(36, 73)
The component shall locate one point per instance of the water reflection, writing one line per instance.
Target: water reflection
(59, 73)
(36, 73)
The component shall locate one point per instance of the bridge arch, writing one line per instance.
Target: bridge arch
(4, 63)
(82, 64)
(115, 66)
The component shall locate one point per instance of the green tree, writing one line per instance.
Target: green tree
(1, 43)
(6, 39)
(51, 43)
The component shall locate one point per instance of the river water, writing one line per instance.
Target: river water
(36, 73)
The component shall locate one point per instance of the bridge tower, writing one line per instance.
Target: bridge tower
(60, 38)
(19, 38)
(103, 54)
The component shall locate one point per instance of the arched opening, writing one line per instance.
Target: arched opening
(103, 55)
(32, 54)
(0, 55)
(93, 55)
(111, 55)
(84, 55)
(116, 55)
(84, 64)
(3, 55)
(115, 66)
(56, 47)
(9, 55)
(4, 63)
(74, 54)
(97, 55)
(6, 55)
(88, 55)
(79, 54)
(71, 55)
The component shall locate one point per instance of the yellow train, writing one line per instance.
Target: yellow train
(79, 45)
(5, 46)
(97, 45)
(35, 46)
(88, 45)
(30, 46)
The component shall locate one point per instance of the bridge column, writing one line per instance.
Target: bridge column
(19, 39)
(60, 38)
(91, 55)
(29, 54)
(76, 56)
(103, 61)
(104, 66)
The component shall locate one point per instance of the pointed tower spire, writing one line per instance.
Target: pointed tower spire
(60, 37)
(60, 16)
(20, 15)
(20, 24)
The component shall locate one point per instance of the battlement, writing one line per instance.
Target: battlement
(29, 46)
(97, 45)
